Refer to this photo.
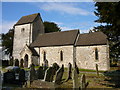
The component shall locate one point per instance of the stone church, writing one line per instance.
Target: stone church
(32, 45)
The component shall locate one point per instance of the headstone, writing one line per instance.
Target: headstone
(9, 77)
(32, 73)
(16, 69)
(59, 75)
(40, 73)
(45, 65)
(22, 76)
(83, 81)
(0, 80)
(69, 71)
(11, 62)
(97, 69)
(75, 79)
(21, 63)
(55, 67)
(49, 74)
(16, 62)
(76, 67)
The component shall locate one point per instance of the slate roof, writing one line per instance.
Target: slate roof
(56, 39)
(34, 53)
(27, 19)
(95, 38)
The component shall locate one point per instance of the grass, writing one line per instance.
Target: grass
(90, 70)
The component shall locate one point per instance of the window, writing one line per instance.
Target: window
(61, 55)
(23, 29)
(44, 56)
(96, 54)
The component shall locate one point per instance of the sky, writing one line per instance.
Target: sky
(67, 15)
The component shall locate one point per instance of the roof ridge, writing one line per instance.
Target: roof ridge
(91, 32)
(60, 32)
(31, 14)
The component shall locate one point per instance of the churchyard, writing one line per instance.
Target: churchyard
(59, 77)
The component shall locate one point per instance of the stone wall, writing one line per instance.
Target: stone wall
(20, 39)
(26, 36)
(38, 28)
(85, 57)
(53, 55)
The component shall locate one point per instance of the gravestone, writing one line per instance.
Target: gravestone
(9, 77)
(49, 74)
(45, 65)
(40, 73)
(11, 62)
(59, 75)
(76, 67)
(21, 63)
(22, 76)
(55, 67)
(75, 79)
(96, 65)
(16, 62)
(69, 71)
(32, 72)
(83, 82)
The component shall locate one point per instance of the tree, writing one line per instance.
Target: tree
(109, 14)
(51, 27)
(7, 41)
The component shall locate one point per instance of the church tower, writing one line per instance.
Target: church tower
(25, 32)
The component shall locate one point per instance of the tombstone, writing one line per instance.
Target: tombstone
(76, 67)
(59, 75)
(69, 71)
(16, 69)
(21, 63)
(0, 80)
(16, 62)
(40, 73)
(45, 65)
(97, 69)
(11, 62)
(22, 76)
(9, 77)
(83, 82)
(55, 66)
(32, 73)
(75, 79)
(49, 74)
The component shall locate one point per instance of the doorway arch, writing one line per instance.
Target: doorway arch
(26, 61)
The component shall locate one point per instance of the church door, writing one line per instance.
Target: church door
(26, 61)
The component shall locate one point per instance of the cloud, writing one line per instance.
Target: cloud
(65, 8)
(6, 25)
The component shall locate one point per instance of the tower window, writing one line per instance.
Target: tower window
(96, 54)
(22, 29)
(61, 55)
(44, 56)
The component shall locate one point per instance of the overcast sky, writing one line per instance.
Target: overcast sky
(68, 15)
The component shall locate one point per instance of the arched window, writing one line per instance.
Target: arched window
(96, 54)
(61, 55)
(44, 55)
(22, 29)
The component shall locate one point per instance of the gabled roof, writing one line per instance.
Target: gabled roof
(27, 19)
(95, 38)
(32, 50)
(56, 39)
